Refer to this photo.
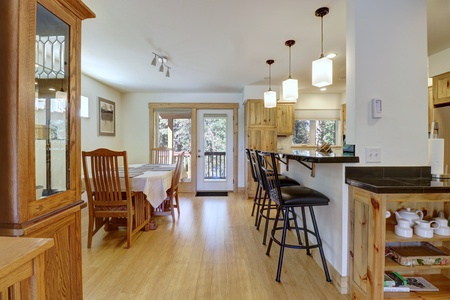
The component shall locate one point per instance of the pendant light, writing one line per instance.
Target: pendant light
(322, 68)
(290, 86)
(270, 97)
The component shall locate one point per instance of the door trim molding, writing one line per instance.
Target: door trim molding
(194, 107)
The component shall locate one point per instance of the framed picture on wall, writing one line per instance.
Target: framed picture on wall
(106, 117)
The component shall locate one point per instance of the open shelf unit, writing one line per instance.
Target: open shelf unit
(371, 230)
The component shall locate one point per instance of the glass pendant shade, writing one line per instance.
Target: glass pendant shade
(270, 99)
(322, 72)
(290, 89)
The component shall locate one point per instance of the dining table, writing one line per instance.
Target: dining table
(151, 179)
(151, 182)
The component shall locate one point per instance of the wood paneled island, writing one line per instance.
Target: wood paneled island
(373, 192)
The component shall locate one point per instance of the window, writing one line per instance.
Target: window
(315, 132)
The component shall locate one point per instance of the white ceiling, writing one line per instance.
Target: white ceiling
(221, 46)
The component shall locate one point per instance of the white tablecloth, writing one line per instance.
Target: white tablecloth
(152, 183)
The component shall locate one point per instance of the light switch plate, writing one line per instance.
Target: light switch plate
(373, 154)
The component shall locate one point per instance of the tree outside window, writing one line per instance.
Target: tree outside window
(314, 132)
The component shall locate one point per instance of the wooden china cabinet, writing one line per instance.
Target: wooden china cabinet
(40, 179)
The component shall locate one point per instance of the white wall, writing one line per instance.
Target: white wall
(386, 61)
(90, 139)
(439, 63)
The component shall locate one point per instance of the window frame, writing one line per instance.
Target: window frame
(312, 132)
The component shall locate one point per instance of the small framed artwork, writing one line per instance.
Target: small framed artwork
(106, 117)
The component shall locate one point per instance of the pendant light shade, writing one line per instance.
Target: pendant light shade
(322, 72)
(270, 97)
(290, 86)
(322, 68)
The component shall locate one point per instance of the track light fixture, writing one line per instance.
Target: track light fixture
(163, 61)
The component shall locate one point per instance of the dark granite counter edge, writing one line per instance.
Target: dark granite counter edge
(364, 178)
(322, 159)
(397, 189)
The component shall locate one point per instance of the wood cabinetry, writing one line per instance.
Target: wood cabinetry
(41, 169)
(260, 133)
(285, 119)
(441, 89)
(344, 118)
(23, 263)
(370, 230)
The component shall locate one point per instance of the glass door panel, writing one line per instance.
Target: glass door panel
(215, 150)
(51, 104)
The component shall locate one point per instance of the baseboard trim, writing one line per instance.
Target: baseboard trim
(339, 281)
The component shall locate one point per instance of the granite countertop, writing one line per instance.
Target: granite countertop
(396, 180)
(313, 156)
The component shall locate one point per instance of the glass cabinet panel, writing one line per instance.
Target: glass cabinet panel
(51, 104)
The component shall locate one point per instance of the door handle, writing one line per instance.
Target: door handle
(198, 156)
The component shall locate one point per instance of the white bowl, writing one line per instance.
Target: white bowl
(403, 231)
(423, 232)
(444, 230)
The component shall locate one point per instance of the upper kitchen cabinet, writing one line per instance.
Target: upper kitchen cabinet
(40, 132)
(257, 115)
(441, 89)
(285, 119)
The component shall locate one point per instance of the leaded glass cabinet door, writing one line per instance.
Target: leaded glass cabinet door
(52, 136)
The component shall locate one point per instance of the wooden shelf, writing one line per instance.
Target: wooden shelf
(391, 265)
(440, 281)
(392, 237)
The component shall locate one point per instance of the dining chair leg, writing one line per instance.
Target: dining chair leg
(172, 209)
(129, 230)
(90, 230)
(177, 203)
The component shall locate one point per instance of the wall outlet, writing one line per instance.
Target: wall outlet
(373, 154)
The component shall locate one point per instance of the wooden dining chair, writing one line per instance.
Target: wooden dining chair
(172, 200)
(108, 196)
(162, 156)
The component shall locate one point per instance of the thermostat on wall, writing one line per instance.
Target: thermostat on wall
(376, 108)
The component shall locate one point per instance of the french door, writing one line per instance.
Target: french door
(215, 150)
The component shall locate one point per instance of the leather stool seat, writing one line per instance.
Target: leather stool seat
(302, 195)
(286, 181)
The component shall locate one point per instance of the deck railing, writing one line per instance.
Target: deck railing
(215, 165)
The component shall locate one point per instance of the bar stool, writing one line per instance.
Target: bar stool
(266, 207)
(287, 199)
(257, 197)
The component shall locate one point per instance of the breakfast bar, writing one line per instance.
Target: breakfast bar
(324, 172)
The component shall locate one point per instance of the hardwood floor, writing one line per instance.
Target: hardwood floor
(212, 252)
